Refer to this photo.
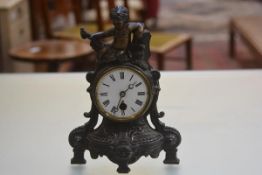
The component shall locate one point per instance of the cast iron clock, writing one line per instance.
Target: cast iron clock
(124, 90)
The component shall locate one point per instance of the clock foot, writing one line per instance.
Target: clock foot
(78, 157)
(123, 168)
(172, 140)
(171, 157)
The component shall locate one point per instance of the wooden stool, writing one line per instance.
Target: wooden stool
(162, 43)
(249, 28)
(51, 52)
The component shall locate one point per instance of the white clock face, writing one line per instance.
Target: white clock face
(122, 94)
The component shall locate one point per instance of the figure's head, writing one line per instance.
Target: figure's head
(119, 15)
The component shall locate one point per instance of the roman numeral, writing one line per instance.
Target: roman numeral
(103, 94)
(138, 84)
(112, 77)
(106, 85)
(131, 78)
(106, 103)
(133, 109)
(141, 93)
(138, 102)
(122, 75)
(114, 110)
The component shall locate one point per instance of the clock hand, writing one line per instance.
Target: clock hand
(130, 86)
(123, 112)
(118, 104)
(123, 93)
(123, 107)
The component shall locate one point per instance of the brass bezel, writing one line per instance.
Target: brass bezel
(138, 114)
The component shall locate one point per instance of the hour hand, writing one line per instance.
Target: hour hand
(123, 112)
(122, 107)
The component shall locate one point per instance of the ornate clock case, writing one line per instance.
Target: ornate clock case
(125, 141)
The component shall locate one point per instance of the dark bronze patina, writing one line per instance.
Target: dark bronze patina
(124, 142)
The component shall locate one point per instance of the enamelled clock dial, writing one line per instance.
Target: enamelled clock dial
(123, 93)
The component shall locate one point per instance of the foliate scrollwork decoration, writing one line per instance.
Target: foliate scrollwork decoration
(77, 137)
(172, 137)
(125, 143)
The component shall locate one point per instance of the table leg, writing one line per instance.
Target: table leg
(40, 67)
(189, 54)
(232, 42)
(53, 67)
(160, 61)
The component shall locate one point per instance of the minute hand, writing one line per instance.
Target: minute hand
(123, 93)
(130, 86)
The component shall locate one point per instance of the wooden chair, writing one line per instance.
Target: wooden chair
(249, 28)
(65, 8)
(162, 42)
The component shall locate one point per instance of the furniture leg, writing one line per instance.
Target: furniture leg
(40, 67)
(232, 42)
(53, 66)
(160, 61)
(189, 54)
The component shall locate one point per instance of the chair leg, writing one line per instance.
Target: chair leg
(65, 67)
(232, 43)
(41, 67)
(189, 54)
(160, 61)
(53, 66)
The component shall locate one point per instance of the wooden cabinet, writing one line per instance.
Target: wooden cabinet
(14, 31)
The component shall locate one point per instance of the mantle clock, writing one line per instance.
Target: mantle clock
(124, 90)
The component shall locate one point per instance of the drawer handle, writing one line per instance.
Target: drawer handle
(21, 31)
(19, 12)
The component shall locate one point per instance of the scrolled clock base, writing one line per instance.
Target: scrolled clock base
(124, 143)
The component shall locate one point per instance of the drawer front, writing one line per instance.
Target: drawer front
(19, 12)
(19, 33)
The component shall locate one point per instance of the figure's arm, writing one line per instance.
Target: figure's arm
(137, 29)
(104, 34)
(140, 43)
(95, 36)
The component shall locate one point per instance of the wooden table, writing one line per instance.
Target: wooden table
(249, 28)
(217, 112)
(51, 52)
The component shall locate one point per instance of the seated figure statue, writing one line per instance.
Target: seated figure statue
(130, 41)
